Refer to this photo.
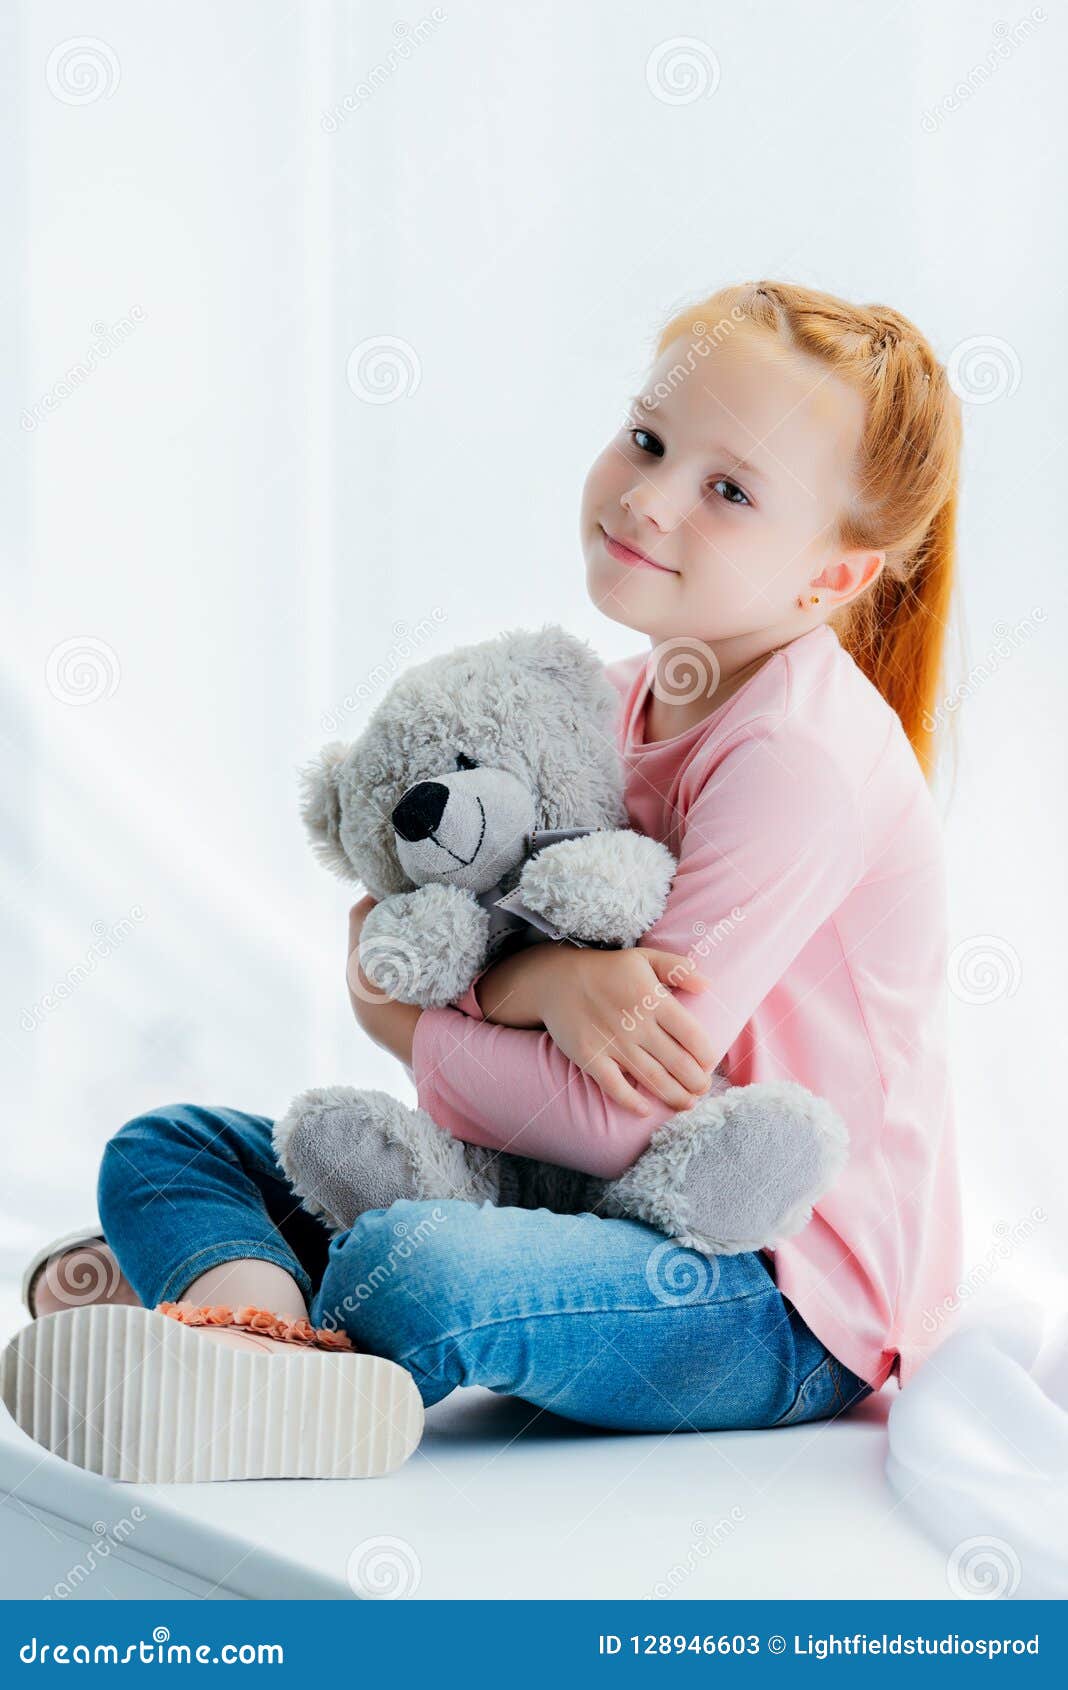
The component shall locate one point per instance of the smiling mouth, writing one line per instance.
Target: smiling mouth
(627, 554)
(463, 862)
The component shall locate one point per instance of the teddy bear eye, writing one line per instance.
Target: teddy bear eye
(465, 762)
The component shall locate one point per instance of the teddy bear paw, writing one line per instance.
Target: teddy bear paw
(739, 1171)
(346, 1151)
(605, 888)
(425, 947)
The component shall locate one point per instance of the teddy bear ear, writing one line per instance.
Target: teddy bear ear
(567, 660)
(321, 806)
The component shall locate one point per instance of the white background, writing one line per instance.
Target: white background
(239, 540)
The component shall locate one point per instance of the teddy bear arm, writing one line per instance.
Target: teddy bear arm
(605, 888)
(425, 947)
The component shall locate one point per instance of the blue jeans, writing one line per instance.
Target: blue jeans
(602, 1321)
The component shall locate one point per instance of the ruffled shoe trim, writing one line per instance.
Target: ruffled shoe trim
(286, 1331)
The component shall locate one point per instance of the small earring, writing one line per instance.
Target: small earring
(813, 599)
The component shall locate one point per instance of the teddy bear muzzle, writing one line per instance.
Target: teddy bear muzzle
(465, 828)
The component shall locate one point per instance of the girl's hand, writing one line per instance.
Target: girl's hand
(612, 1013)
(389, 1024)
(357, 916)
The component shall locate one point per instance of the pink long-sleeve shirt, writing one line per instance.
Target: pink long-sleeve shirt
(810, 889)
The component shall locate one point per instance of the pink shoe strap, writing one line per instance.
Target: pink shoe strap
(300, 1331)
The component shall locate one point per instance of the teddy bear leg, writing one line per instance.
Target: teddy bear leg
(346, 1151)
(738, 1171)
(525, 1183)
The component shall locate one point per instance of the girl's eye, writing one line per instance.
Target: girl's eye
(465, 762)
(640, 436)
(646, 441)
(733, 488)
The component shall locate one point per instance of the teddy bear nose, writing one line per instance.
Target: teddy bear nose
(420, 810)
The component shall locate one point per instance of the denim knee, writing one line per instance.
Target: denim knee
(121, 1163)
(401, 1276)
(186, 1188)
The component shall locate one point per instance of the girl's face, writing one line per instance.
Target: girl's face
(730, 473)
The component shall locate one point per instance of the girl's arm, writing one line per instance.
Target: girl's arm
(388, 1023)
(772, 845)
(583, 996)
(570, 993)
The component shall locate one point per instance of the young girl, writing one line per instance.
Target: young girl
(776, 515)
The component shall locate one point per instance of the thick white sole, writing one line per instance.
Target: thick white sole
(131, 1394)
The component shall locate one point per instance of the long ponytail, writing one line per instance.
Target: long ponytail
(896, 633)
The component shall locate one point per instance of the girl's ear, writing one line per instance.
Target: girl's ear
(321, 802)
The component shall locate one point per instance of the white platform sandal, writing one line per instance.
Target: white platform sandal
(137, 1394)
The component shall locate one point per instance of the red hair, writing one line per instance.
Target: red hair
(906, 478)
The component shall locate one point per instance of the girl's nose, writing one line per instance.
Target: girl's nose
(647, 502)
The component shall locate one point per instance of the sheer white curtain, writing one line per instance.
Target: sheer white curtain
(320, 315)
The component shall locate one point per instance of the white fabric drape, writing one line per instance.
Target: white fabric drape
(979, 1453)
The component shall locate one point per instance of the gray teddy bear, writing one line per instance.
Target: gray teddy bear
(483, 808)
